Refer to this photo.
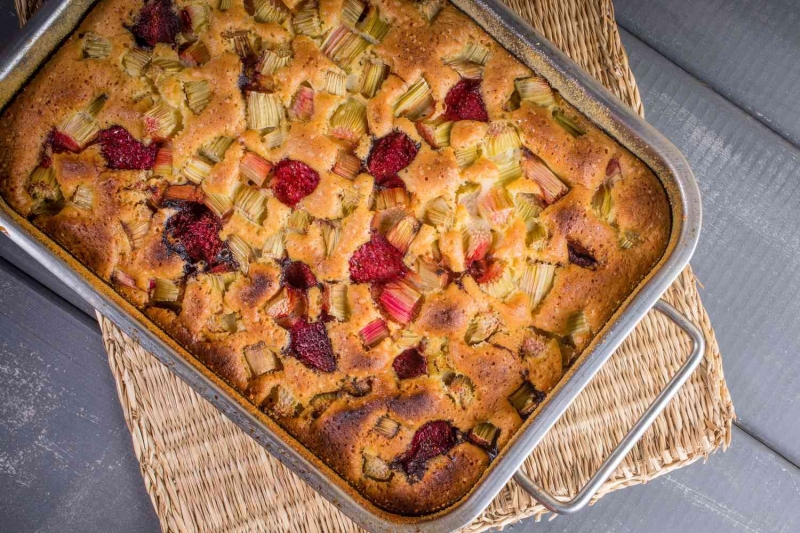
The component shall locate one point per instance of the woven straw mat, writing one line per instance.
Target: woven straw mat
(204, 474)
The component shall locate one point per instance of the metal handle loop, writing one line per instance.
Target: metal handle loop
(582, 498)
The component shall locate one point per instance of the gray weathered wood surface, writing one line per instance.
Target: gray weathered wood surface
(719, 79)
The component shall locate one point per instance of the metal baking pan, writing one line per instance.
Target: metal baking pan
(57, 19)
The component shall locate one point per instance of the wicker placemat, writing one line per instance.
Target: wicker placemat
(204, 474)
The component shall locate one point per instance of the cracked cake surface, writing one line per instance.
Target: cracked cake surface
(367, 217)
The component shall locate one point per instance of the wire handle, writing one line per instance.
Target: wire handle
(590, 489)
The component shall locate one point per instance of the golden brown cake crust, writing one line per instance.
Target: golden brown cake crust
(368, 217)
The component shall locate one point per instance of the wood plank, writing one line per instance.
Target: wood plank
(66, 458)
(749, 251)
(745, 50)
(748, 489)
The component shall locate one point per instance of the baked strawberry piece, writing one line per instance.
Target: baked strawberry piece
(193, 233)
(388, 156)
(485, 270)
(312, 346)
(376, 261)
(60, 142)
(298, 275)
(465, 102)
(157, 23)
(410, 364)
(293, 181)
(123, 152)
(432, 439)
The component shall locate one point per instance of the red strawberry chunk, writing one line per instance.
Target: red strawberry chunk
(294, 180)
(61, 142)
(390, 155)
(485, 270)
(123, 152)
(376, 261)
(432, 439)
(410, 364)
(157, 23)
(193, 233)
(464, 102)
(298, 275)
(312, 346)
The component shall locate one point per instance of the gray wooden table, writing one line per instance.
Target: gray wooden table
(720, 79)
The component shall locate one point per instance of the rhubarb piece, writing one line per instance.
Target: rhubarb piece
(241, 251)
(481, 327)
(496, 206)
(123, 278)
(376, 261)
(410, 364)
(580, 256)
(335, 83)
(306, 21)
(477, 241)
(157, 23)
(387, 427)
(417, 102)
(196, 169)
(569, 124)
(162, 165)
(372, 77)
(526, 399)
(215, 149)
(603, 203)
(161, 120)
(293, 181)
(375, 468)
(95, 46)
(347, 165)
(338, 304)
(577, 324)
(502, 142)
(536, 170)
(269, 11)
(528, 206)
(343, 47)
(74, 133)
(198, 95)
(431, 277)
(195, 55)
(299, 276)
(320, 402)
(352, 11)
(246, 44)
(45, 191)
(536, 281)
(462, 390)
(255, 168)
(373, 333)
(331, 233)
(536, 236)
(439, 213)
(274, 246)
(312, 346)
(164, 291)
(299, 222)
(302, 104)
(388, 156)
(274, 138)
(628, 239)
(136, 231)
(224, 5)
(389, 198)
(193, 233)
(436, 132)
(613, 172)
(263, 110)
(402, 233)
(135, 61)
(287, 307)
(282, 403)
(499, 283)
(181, 193)
(374, 26)
(219, 204)
(469, 64)
(252, 203)
(535, 90)
(400, 300)
(194, 18)
(167, 64)
(271, 60)
(466, 156)
(222, 281)
(429, 8)
(465, 102)
(432, 439)
(261, 359)
(484, 435)
(349, 121)
(123, 152)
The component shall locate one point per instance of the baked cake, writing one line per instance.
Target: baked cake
(365, 215)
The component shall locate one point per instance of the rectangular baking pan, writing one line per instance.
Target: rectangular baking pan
(56, 21)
